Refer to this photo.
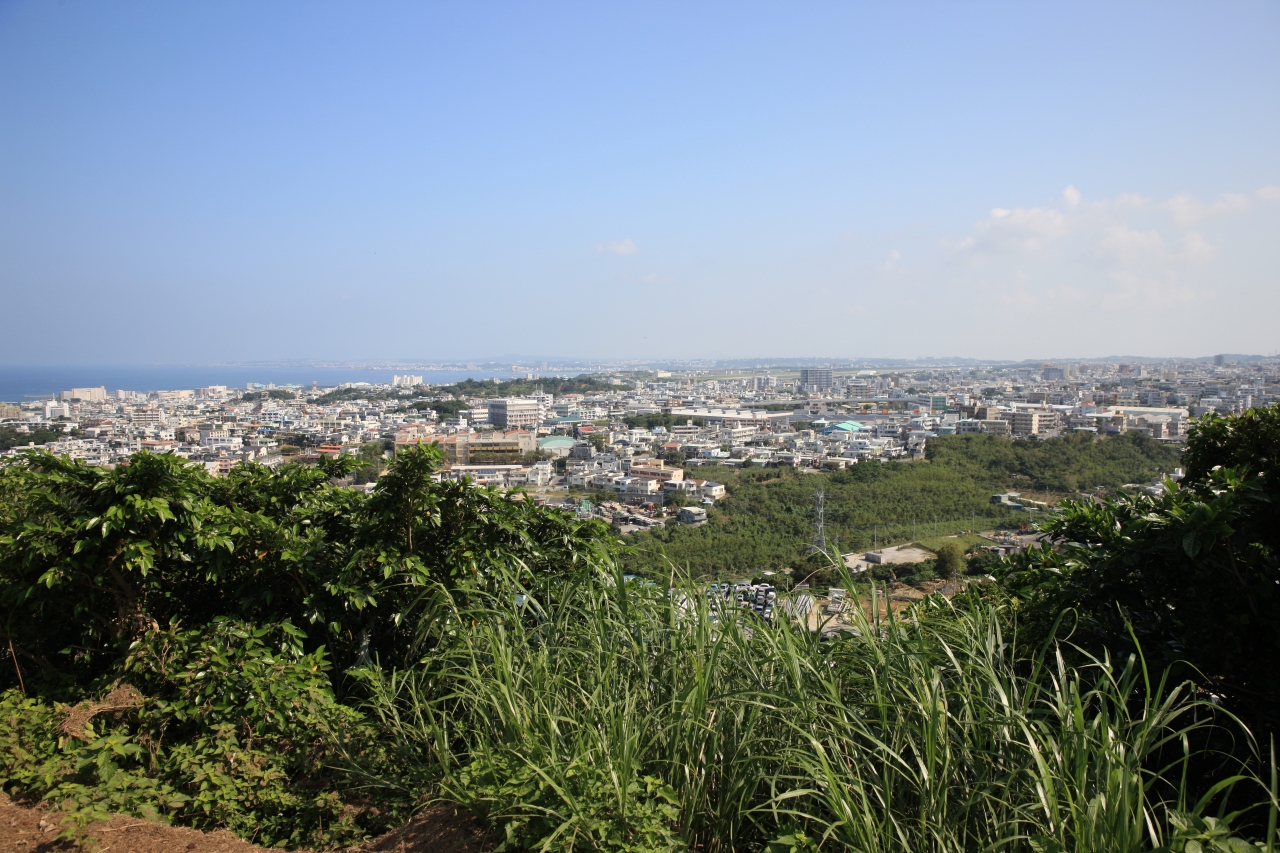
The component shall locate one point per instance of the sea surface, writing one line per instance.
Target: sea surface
(24, 382)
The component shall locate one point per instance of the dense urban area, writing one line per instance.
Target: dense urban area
(631, 434)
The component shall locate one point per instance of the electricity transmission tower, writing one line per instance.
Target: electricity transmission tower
(819, 532)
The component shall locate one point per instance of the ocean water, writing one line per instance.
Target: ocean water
(23, 382)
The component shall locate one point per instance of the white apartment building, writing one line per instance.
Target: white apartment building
(973, 426)
(220, 438)
(1022, 423)
(515, 412)
(88, 395)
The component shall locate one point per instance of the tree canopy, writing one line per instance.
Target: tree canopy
(584, 384)
(1073, 462)
(92, 558)
(1191, 575)
(766, 520)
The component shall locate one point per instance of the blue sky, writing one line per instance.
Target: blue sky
(183, 182)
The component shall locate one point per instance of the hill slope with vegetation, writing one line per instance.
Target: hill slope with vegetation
(584, 384)
(306, 664)
(1074, 462)
(766, 520)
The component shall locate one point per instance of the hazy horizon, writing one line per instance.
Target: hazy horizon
(184, 184)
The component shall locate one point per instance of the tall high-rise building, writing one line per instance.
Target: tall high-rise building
(818, 378)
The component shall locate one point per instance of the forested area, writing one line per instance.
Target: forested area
(659, 420)
(343, 395)
(1074, 462)
(268, 393)
(584, 384)
(11, 437)
(443, 408)
(306, 664)
(766, 520)
(487, 388)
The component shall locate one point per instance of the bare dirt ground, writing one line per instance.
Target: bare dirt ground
(436, 829)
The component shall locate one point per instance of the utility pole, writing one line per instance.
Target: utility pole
(819, 532)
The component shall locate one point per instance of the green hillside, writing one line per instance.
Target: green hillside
(766, 521)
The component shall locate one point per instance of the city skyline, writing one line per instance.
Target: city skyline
(260, 183)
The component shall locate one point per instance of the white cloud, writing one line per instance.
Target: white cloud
(1128, 201)
(1147, 293)
(621, 247)
(1088, 259)
(1128, 244)
(891, 263)
(656, 278)
(1196, 249)
(1187, 210)
(1022, 229)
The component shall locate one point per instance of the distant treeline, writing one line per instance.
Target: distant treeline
(10, 437)
(659, 420)
(342, 395)
(1074, 462)
(272, 394)
(584, 384)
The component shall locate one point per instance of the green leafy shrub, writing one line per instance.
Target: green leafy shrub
(950, 559)
(90, 558)
(231, 726)
(582, 808)
(1193, 575)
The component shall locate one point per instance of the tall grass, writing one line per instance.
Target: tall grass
(594, 715)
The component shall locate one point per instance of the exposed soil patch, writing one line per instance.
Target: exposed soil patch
(36, 830)
(437, 829)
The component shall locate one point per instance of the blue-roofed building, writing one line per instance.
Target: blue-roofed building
(844, 428)
(557, 445)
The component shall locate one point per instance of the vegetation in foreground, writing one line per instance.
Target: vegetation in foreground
(306, 664)
(608, 716)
